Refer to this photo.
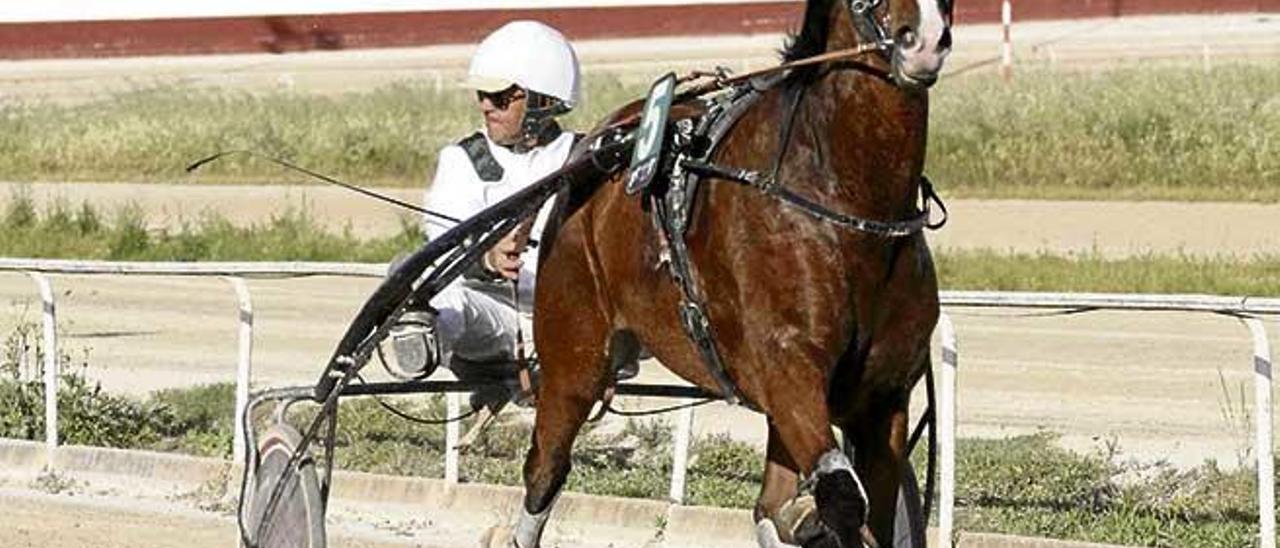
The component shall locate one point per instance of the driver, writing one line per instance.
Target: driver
(525, 74)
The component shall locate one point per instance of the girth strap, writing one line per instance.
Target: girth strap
(692, 315)
(672, 210)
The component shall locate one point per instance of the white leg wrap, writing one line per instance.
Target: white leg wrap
(767, 535)
(835, 460)
(528, 533)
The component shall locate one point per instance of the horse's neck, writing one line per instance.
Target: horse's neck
(875, 136)
(874, 133)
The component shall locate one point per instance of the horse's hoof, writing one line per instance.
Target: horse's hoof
(498, 536)
(797, 521)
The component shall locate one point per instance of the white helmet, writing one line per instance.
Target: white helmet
(530, 54)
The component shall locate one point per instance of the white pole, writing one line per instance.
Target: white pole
(50, 362)
(244, 365)
(1263, 433)
(1006, 57)
(680, 454)
(947, 431)
(453, 406)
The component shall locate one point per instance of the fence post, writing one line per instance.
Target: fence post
(947, 431)
(50, 362)
(453, 407)
(1006, 52)
(244, 366)
(1263, 433)
(680, 454)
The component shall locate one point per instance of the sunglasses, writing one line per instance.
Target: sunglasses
(501, 99)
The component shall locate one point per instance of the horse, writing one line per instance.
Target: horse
(818, 325)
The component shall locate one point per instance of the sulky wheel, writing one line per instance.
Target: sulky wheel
(909, 521)
(297, 520)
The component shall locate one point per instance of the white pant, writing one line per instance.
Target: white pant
(478, 321)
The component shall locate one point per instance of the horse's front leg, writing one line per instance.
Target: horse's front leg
(574, 361)
(564, 402)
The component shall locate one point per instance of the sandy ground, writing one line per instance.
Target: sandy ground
(1210, 40)
(1160, 386)
(1113, 229)
(108, 518)
(1147, 382)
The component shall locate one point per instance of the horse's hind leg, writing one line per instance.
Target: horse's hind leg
(778, 488)
(784, 517)
(881, 445)
(801, 434)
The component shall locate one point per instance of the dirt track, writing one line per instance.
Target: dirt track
(106, 520)
(1148, 382)
(1210, 40)
(1141, 378)
(1114, 229)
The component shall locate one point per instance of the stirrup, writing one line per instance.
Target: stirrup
(413, 340)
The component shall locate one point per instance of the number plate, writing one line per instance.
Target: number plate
(650, 134)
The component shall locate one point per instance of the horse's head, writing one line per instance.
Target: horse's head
(916, 33)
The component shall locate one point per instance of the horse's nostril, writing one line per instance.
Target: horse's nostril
(907, 37)
(944, 43)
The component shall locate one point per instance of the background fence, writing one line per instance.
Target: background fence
(1244, 308)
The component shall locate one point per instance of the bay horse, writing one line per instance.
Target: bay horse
(818, 325)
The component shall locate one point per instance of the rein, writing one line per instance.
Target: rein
(887, 229)
(721, 81)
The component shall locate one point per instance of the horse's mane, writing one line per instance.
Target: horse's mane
(812, 38)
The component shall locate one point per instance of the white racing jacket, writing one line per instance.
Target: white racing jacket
(460, 190)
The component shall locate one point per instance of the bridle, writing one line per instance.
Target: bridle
(871, 28)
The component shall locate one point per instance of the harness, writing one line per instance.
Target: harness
(689, 161)
(482, 160)
(486, 166)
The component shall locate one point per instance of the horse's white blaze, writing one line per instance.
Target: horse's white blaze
(926, 56)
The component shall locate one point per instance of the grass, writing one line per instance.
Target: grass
(63, 231)
(66, 232)
(1150, 133)
(1090, 272)
(1169, 132)
(388, 136)
(1024, 485)
(1029, 486)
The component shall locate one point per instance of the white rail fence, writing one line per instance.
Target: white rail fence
(1245, 308)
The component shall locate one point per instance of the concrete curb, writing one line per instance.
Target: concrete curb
(628, 522)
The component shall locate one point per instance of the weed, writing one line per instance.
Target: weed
(1236, 418)
(51, 482)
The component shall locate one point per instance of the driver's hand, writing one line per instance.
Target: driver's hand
(504, 257)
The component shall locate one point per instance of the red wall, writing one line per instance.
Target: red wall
(973, 11)
(310, 32)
